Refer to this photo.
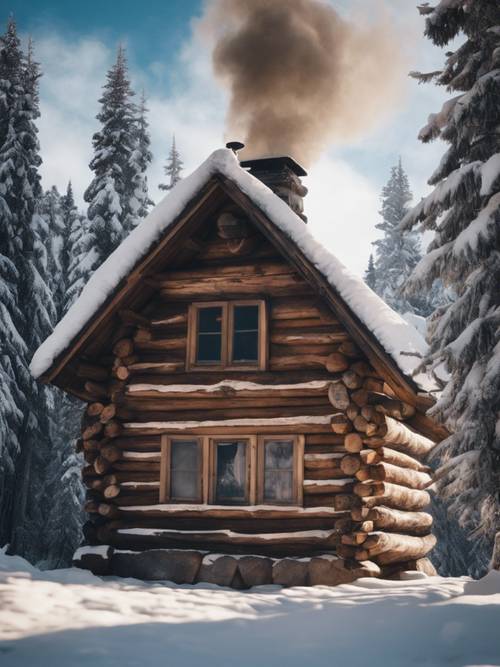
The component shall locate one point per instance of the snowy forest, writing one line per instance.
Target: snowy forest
(436, 262)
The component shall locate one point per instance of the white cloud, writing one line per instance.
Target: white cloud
(344, 184)
(342, 209)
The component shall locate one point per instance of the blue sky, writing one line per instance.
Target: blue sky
(76, 43)
(148, 27)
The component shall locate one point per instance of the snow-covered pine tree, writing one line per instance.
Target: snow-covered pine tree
(76, 244)
(111, 193)
(63, 491)
(13, 350)
(397, 252)
(370, 278)
(140, 160)
(464, 212)
(173, 168)
(29, 311)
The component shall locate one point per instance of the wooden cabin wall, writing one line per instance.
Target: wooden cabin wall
(364, 483)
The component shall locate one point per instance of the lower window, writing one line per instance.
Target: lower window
(241, 470)
(278, 470)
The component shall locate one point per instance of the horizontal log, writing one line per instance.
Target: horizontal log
(223, 428)
(326, 487)
(297, 362)
(132, 519)
(386, 472)
(393, 547)
(323, 473)
(387, 455)
(229, 390)
(164, 344)
(136, 466)
(322, 461)
(391, 495)
(221, 272)
(401, 437)
(391, 406)
(156, 367)
(224, 541)
(306, 338)
(118, 477)
(169, 321)
(392, 520)
(286, 284)
(222, 402)
(236, 412)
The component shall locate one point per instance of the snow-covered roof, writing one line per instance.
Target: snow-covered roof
(399, 338)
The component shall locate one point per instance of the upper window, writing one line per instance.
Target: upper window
(227, 335)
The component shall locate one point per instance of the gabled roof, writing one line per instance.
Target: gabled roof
(399, 339)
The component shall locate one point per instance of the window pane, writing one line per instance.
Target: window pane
(210, 319)
(231, 472)
(246, 333)
(209, 347)
(278, 470)
(246, 318)
(184, 469)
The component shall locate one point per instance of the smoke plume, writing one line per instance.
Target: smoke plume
(299, 76)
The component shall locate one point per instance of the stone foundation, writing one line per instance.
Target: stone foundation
(241, 572)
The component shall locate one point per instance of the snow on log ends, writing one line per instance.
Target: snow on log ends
(398, 337)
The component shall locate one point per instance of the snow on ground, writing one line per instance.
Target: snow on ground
(71, 618)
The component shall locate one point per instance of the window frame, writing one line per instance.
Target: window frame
(254, 474)
(166, 470)
(227, 333)
(297, 469)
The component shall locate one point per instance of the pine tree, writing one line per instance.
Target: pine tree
(110, 195)
(370, 276)
(141, 158)
(63, 492)
(173, 168)
(464, 212)
(28, 311)
(397, 252)
(77, 258)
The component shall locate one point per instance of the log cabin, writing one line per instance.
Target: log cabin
(253, 412)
